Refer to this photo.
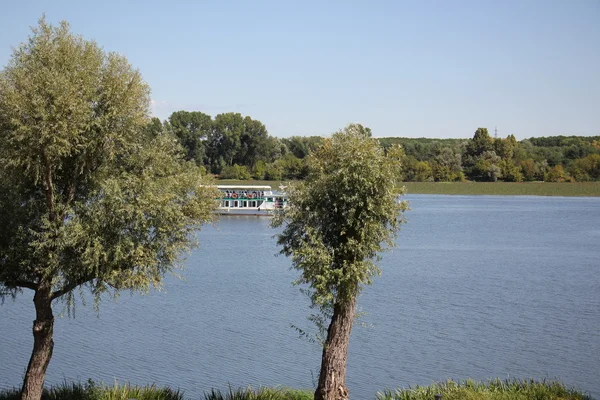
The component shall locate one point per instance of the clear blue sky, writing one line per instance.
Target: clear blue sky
(404, 68)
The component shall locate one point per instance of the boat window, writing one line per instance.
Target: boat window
(244, 203)
(226, 203)
(235, 203)
(253, 204)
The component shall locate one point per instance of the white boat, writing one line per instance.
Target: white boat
(249, 200)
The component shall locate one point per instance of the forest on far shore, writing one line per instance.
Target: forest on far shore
(233, 146)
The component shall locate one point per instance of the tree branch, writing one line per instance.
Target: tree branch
(70, 286)
(23, 284)
(49, 187)
(69, 194)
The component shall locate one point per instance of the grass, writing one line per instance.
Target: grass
(491, 390)
(465, 390)
(264, 393)
(575, 189)
(93, 391)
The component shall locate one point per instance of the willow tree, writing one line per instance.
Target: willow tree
(88, 197)
(338, 222)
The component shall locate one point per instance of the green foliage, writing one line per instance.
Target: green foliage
(587, 168)
(342, 216)
(93, 391)
(495, 389)
(192, 129)
(481, 143)
(234, 139)
(235, 172)
(487, 167)
(491, 390)
(274, 172)
(302, 146)
(90, 194)
(291, 167)
(447, 166)
(510, 172)
(259, 170)
(530, 170)
(263, 393)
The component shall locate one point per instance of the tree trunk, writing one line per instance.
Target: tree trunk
(43, 344)
(332, 378)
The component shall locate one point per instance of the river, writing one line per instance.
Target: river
(478, 286)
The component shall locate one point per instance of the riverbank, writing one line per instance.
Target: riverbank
(575, 189)
(495, 389)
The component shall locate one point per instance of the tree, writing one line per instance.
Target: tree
(338, 221)
(235, 171)
(302, 146)
(225, 140)
(487, 167)
(89, 196)
(556, 174)
(192, 129)
(253, 143)
(447, 166)
(423, 171)
(480, 143)
(529, 169)
(505, 148)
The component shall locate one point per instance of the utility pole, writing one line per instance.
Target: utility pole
(495, 132)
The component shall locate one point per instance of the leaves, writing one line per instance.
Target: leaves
(342, 216)
(92, 192)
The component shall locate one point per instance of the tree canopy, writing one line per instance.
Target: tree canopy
(90, 194)
(239, 147)
(337, 222)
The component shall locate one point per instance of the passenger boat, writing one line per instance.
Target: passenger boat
(250, 200)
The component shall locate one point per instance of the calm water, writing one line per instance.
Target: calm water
(478, 287)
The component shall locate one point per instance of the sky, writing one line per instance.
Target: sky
(422, 68)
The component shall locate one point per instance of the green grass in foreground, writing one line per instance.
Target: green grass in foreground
(93, 391)
(496, 389)
(466, 390)
(575, 189)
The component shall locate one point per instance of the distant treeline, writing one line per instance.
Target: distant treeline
(233, 146)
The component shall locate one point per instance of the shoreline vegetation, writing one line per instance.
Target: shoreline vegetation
(495, 389)
(563, 189)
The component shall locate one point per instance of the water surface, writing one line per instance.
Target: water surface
(479, 286)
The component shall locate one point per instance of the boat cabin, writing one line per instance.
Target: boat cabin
(249, 200)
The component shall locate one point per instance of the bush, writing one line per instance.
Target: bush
(235, 171)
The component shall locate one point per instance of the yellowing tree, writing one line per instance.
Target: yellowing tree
(88, 196)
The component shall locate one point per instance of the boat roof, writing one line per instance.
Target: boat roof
(254, 187)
